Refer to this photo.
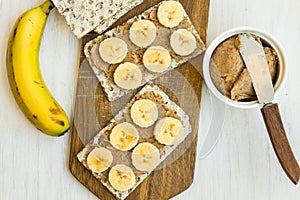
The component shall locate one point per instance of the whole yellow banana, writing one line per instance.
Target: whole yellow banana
(24, 75)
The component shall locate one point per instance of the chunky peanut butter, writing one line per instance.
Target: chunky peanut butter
(135, 54)
(230, 74)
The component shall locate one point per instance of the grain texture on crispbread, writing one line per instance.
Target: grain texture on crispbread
(102, 138)
(101, 68)
(84, 16)
(120, 12)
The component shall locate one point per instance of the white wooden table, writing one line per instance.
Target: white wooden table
(243, 164)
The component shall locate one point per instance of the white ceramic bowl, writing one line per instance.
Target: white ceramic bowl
(268, 39)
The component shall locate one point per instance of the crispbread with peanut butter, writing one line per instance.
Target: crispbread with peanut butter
(84, 16)
(166, 108)
(167, 35)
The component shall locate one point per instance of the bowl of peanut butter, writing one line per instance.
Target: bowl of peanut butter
(226, 74)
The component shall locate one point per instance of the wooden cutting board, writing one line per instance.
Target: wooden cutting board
(93, 111)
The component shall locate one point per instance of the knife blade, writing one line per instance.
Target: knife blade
(255, 60)
(254, 56)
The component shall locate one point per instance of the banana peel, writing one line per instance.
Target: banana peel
(24, 75)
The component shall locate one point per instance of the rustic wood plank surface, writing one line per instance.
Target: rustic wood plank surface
(93, 111)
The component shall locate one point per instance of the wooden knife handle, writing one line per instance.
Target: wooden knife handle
(280, 142)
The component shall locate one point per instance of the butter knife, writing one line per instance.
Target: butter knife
(255, 60)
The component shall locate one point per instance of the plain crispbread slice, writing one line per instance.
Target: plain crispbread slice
(121, 11)
(84, 16)
(102, 69)
(146, 135)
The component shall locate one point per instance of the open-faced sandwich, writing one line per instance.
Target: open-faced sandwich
(136, 141)
(144, 48)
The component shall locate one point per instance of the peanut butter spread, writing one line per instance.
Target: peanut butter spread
(135, 54)
(166, 108)
(230, 74)
(146, 133)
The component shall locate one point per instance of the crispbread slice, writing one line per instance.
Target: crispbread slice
(84, 16)
(104, 71)
(154, 93)
(120, 12)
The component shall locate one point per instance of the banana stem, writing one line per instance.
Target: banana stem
(47, 6)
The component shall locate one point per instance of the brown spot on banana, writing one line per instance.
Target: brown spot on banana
(55, 111)
(58, 121)
(38, 83)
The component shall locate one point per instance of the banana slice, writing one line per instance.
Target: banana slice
(144, 113)
(170, 13)
(121, 177)
(113, 50)
(142, 33)
(124, 136)
(183, 42)
(168, 131)
(157, 59)
(145, 156)
(128, 76)
(99, 159)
